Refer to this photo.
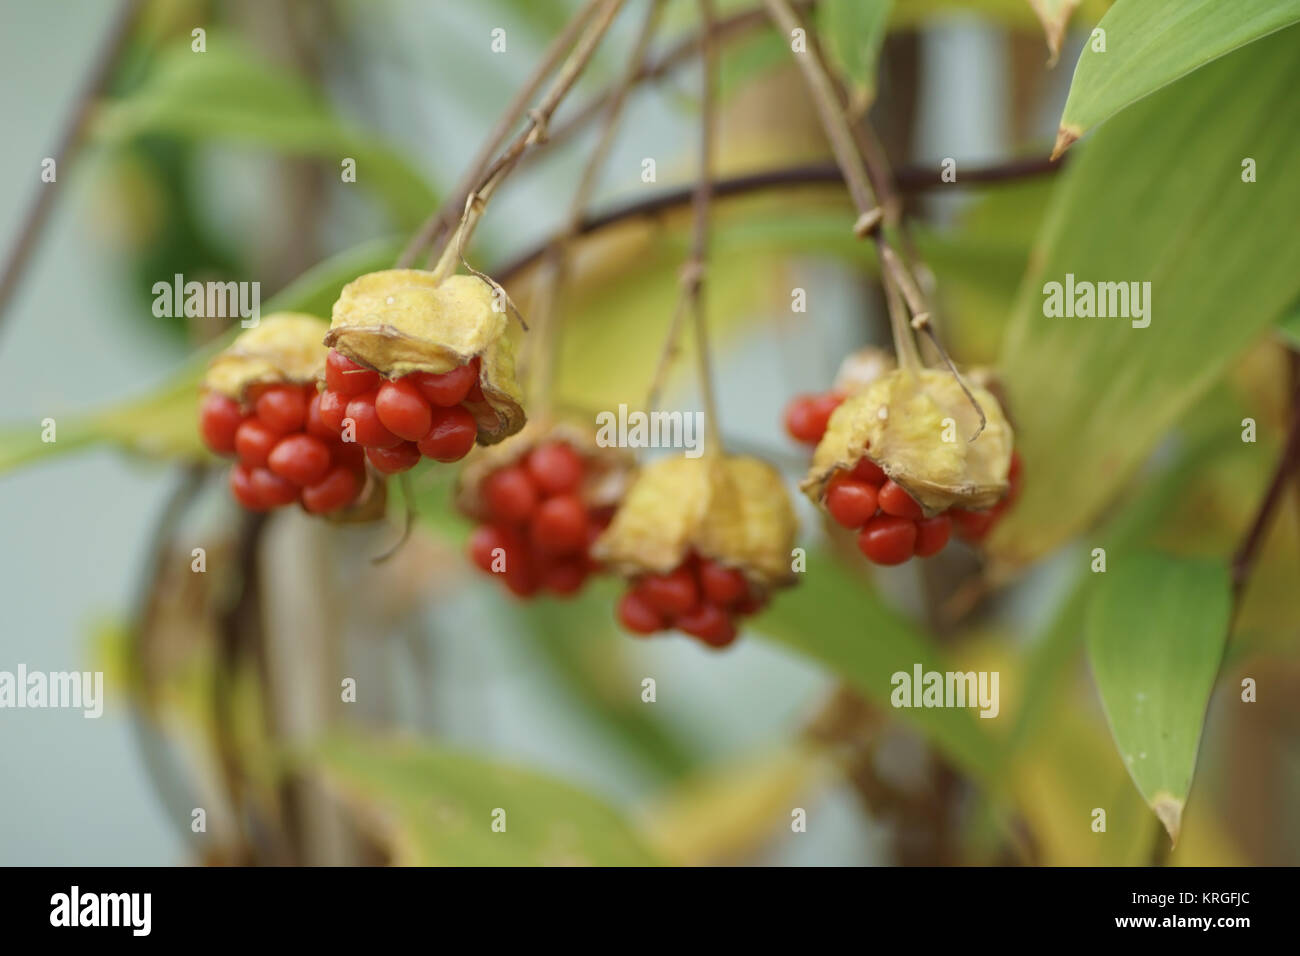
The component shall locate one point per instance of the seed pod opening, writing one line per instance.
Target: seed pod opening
(733, 510)
(401, 321)
(916, 426)
(283, 348)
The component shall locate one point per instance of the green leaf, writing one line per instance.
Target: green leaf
(834, 617)
(1156, 197)
(853, 32)
(1290, 327)
(162, 422)
(227, 94)
(1156, 629)
(1150, 44)
(435, 806)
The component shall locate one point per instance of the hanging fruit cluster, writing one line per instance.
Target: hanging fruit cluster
(261, 407)
(418, 368)
(541, 500)
(703, 542)
(894, 464)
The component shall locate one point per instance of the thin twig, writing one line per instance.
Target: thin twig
(911, 179)
(1243, 560)
(69, 144)
(445, 216)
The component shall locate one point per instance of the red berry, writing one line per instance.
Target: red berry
(721, 585)
(636, 614)
(390, 461)
(1013, 479)
(282, 408)
(510, 494)
(254, 441)
(333, 407)
(272, 490)
(888, 539)
(806, 418)
(484, 543)
(751, 604)
(475, 390)
(520, 576)
(301, 459)
(347, 377)
(350, 454)
(338, 488)
(219, 417)
(932, 534)
(670, 594)
(709, 623)
(316, 425)
(895, 501)
(868, 471)
(972, 525)
(451, 436)
(555, 467)
(564, 577)
(368, 430)
(403, 410)
(851, 502)
(447, 389)
(241, 486)
(559, 526)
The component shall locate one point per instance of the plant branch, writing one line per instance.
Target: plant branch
(911, 179)
(1243, 560)
(533, 132)
(443, 218)
(69, 144)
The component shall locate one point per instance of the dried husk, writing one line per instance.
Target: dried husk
(606, 478)
(401, 321)
(898, 422)
(861, 368)
(733, 509)
(283, 348)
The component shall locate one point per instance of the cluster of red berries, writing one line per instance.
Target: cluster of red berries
(539, 531)
(891, 524)
(286, 452)
(397, 421)
(700, 597)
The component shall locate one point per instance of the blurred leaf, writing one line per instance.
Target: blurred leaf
(852, 32)
(227, 94)
(1090, 396)
(1055, 15)
(729, 812)
(1156, 629)
(835, 618)
(1290, 327)
(163, 422)
(435, 806)
(1151, 43)
(748, 58)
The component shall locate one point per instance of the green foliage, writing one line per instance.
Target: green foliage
(1151, 43)
(228, 95)
(836, 618)
(435, 806)
(1156, 629)
(852, 32)
(1090, 396)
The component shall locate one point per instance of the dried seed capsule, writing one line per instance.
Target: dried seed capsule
(916, 426)
(400, 322)
(733, 511)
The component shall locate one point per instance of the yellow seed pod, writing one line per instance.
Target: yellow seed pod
(401, 321)
(606, 476)
(734, 510)
(915, 425)
(283, 348)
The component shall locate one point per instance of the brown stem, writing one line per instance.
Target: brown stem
(445, 216)
(69, 144)
(1243, 560)
(911, 179)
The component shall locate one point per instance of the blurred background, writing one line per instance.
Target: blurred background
(226, 165)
